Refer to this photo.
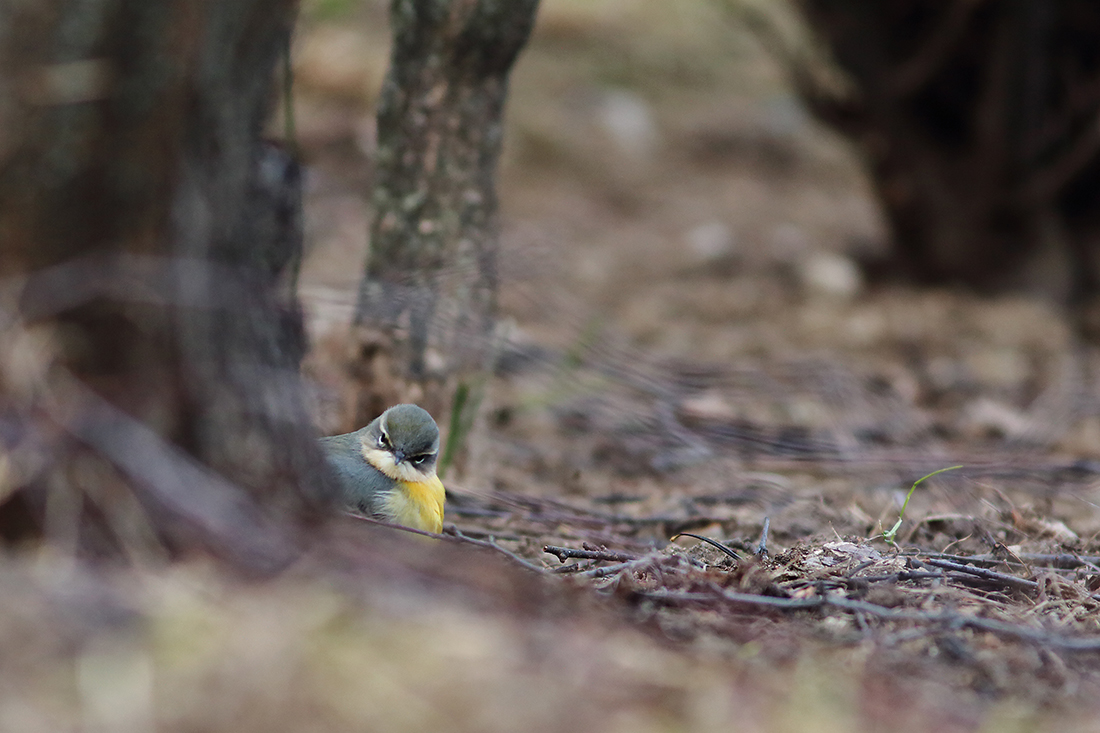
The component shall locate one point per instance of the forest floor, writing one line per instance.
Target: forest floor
(691, 346)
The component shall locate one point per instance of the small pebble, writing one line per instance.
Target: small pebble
(830, 274)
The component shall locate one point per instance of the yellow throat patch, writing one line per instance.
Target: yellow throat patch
(418, 504)
(417, 498)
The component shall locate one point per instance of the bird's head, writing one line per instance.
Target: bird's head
(403, 443)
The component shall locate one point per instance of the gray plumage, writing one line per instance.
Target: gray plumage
(406, 432)
(362, 486)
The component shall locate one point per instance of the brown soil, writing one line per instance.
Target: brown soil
(691, 347)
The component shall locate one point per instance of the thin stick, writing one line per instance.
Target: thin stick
(492, 545)
(564, 553)
(950, 619)
(621, 567)
(709, 541)
(748, 598)
(453, 534)
(762, 547)
(392, 525)
(1010, 580)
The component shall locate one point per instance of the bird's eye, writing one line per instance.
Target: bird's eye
(383, 442)
(419, 460)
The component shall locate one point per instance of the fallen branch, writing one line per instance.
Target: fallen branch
(574, 567)
(947, 619)
(954, 619)
(456, 533)
(452, 534)
(1009, 580)
(564, 553)
(621, 567)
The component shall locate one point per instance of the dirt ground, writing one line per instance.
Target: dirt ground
(692, 346)
(689, 346)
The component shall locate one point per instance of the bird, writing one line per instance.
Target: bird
(387, 469)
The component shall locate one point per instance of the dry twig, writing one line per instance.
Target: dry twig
(564, 553)
(1010, 581)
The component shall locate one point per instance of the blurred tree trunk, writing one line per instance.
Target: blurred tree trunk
(427, 300)
(980, 124)
(148, 386)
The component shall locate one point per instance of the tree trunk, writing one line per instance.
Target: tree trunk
(978, 121)
(149, 370)
(427, 300)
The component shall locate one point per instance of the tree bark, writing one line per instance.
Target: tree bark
(427, 300)
(978, 122)
(149, 378)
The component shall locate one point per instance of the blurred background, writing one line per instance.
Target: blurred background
(674, 216)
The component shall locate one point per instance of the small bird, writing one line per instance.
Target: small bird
(387, 469)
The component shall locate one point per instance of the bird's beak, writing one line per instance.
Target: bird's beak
(398, 456)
